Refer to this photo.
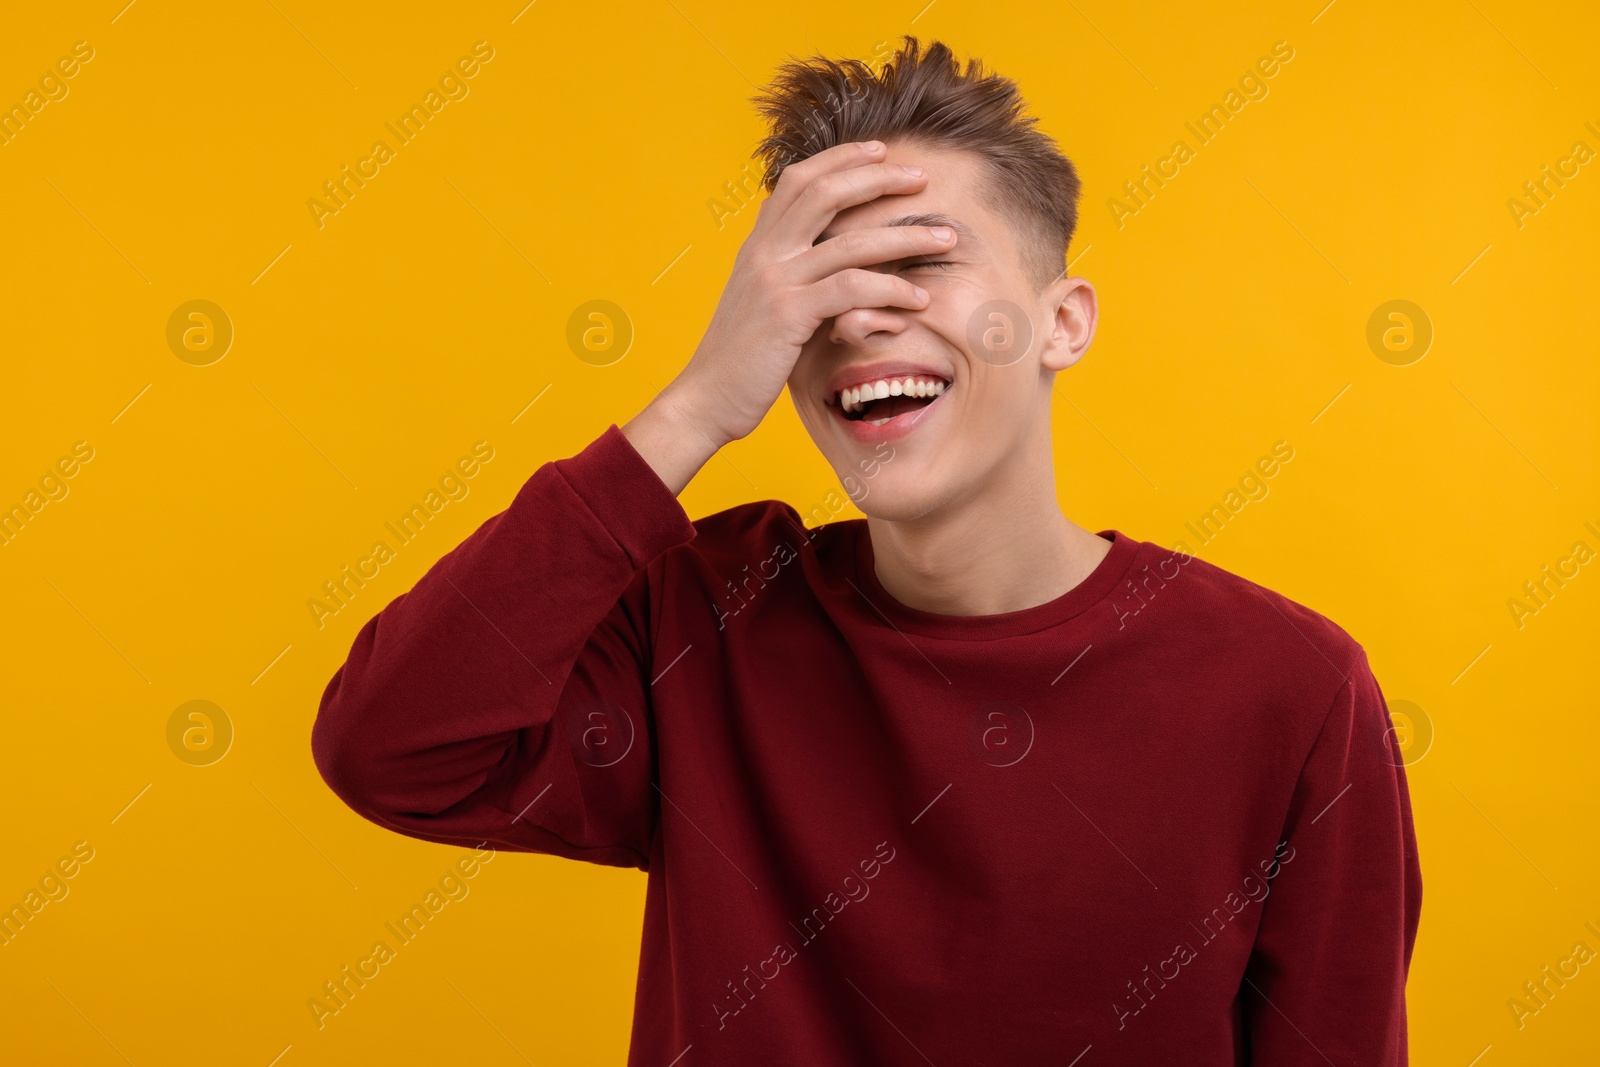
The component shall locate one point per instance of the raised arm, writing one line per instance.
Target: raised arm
(480, 705)
(448, 719)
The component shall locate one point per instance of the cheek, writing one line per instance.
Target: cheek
(809, 368)
(995, 411)
(794, 385)
(804, 386)
(964, 319)
(812, 415)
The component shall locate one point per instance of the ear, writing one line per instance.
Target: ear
(1073, 310)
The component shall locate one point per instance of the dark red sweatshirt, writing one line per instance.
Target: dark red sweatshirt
(1159, 819)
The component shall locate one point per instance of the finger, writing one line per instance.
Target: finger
(856, 288)
(796, 176)
(869, 247)
(797, 227)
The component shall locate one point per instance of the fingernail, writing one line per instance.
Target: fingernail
(873, 146)
(922, 294)
(943, 233)
(911, 170)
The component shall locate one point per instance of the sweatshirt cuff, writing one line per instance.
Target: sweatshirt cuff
(627, 496)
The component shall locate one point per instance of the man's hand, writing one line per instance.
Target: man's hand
(783, 287)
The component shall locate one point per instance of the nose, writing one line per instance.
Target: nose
(856, 326)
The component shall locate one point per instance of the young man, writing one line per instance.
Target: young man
(960, 783)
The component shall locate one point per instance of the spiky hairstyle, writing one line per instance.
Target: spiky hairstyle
(924, 97)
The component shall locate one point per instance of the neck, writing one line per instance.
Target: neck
(1006, 548)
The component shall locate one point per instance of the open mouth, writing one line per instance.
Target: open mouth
(887, 398)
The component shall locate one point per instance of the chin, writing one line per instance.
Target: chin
(896, 494)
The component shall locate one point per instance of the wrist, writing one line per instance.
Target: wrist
(688, 405)
(671, 435)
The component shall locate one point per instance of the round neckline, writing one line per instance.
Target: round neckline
(1105, 577)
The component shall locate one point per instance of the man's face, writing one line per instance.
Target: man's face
(986, 343)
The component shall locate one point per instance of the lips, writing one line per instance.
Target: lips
(870, 419)
(886, 371)
(885, 399)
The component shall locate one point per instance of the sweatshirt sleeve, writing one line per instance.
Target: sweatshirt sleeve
(1326, 978)
(505, 697)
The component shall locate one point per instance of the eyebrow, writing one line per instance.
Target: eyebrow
(964, 233)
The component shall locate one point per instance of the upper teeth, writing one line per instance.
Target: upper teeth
(852, 398)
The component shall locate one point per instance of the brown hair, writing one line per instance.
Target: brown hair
(924, 97)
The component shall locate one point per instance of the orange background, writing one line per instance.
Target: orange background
(584, 162)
